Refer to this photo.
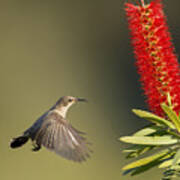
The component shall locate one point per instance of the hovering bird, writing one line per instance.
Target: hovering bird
(53, 131)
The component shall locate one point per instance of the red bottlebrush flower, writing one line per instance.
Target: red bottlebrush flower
(156, 62)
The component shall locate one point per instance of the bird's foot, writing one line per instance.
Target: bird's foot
(36, 147)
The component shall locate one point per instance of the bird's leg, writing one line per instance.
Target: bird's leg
(36, 147)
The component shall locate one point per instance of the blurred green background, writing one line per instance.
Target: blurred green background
(53, 48)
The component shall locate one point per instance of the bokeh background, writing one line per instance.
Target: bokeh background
(53, 48)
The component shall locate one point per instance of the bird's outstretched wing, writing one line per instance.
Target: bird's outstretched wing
(59, 136)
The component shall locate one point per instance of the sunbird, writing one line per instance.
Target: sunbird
(54, 132)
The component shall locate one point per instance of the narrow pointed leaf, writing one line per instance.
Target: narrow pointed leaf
(166, 163)
(136, 150)
(149, 140)
(152, 131)
(153, 163)
(172, 116)
(144, 161)
(168, 159)
(144, 132)
(150, 162)
(140, 152)
(133, 148)
(169, 100)
(153, 118)
(146, 167)
(169, 174)
(176, 159)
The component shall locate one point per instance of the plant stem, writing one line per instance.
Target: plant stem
(173, 133)
(142, 2)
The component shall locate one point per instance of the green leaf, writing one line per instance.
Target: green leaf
(146, 167)
(171, 115)
(136, 150)
(169, 174)
(166, 163)
(176, 159)
(172, 173)
(153, 118)
(144, 132)
(145, 161)
(167, 160)
(169, 100)
(149, 140)
(152, 130)
(131, 149)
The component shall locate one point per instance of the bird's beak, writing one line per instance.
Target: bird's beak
(81, 100)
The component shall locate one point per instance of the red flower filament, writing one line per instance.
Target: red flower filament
(156, 62)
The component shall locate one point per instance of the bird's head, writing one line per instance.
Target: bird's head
(65, 102)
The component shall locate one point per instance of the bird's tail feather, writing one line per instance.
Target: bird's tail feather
(19, 141)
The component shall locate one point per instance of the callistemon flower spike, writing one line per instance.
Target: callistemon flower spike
(156, 61)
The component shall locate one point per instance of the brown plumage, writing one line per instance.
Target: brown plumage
(55, 133)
